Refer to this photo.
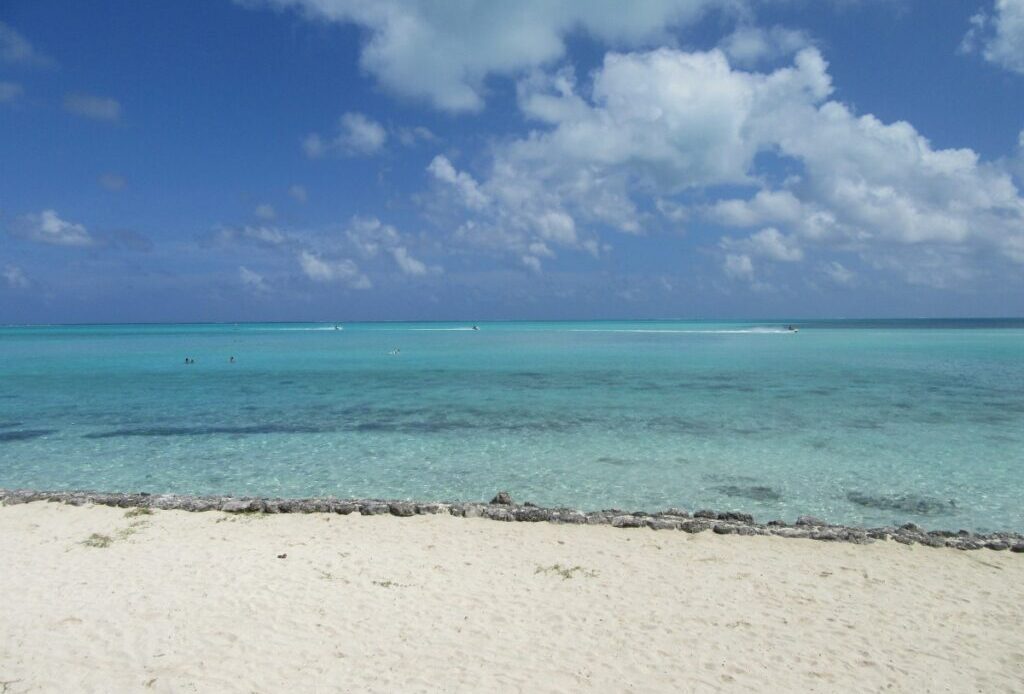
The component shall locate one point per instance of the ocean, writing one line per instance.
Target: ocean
(857, 422)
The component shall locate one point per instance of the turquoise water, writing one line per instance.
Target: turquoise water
(857, 422)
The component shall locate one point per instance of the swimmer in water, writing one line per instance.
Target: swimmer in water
(231, 360)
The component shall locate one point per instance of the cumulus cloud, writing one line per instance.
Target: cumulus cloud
(999, 36)
(252, 281)
(443, 52)
(768, 243)
(14, 277)
(10, 91)
(469, 191)
(16, 49)
(838, 273)
(406, 263)
(411, 136)
(357, 135)
(47, 227)
(654, 125)
(264, 235)
(371, 237)
(749, 45)
(739, 266)
(342, 271)
(94, 107)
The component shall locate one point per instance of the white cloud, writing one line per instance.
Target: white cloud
(15, 277)
(266, 236)
(838, 273)
(369, 235)
(531, 262)
(660, 123)
(768, 243)
(47, 227)
(113, 182)
(253, 281)
(265, 211)
(406, 263)
(999, 36)
(343, 271)
(410, 137)
(444, 51)
(16, 49)
(767, 207)
(467, 187)
(357, 135)
(749, 45)
(94, 107)
(739, 266)
(10, 91)
(298, 194)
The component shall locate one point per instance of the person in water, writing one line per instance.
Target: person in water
(231, 360)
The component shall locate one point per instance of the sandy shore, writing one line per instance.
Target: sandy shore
(175, 601)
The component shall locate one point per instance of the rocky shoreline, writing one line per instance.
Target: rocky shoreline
(502, 508)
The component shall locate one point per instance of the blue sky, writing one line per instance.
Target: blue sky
(403, 159)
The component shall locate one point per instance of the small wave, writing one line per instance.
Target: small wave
(737, 331)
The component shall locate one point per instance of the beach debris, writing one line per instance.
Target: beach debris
(721, 522)
(98, 540)
(566, 572)
(282, 556)
(502, 498)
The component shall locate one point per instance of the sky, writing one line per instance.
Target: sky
(342, 160)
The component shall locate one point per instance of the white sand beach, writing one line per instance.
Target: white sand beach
(210, 602)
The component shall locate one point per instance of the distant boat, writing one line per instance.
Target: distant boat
(792, 329)
(475, 328)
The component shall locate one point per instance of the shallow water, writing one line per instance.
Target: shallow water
(858, 422)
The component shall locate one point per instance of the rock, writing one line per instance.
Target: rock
(678, 512)
(402, 508)
(826, 535)
(705, 513)
(930, 541)
(736, 517)
(912, 527)
(430, 509)
(903, 539)
(662, 524)
(344, 507)
(778, 524)
(598, 518)
(503, 498)
(532, 514)
(282, 556)
(239, 506)
(628, 522)
(998, 545)
(570, 516)
(810, 520)
(374, 508)
(723, 529)
(472, 510)
(695, 526)
(1018, 547)
(498, 513)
